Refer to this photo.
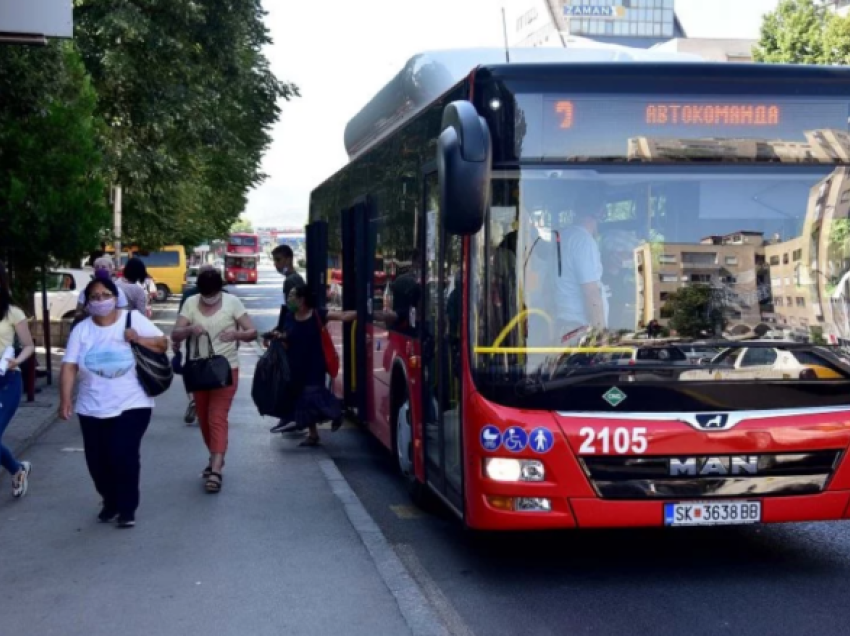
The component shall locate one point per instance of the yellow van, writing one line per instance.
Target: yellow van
(167, 267)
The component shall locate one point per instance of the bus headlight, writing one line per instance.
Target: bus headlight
(509, 470)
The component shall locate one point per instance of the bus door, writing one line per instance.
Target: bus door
(441, 351)
(317, 261)
(357, 283)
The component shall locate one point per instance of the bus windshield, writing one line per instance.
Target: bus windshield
(648, 273)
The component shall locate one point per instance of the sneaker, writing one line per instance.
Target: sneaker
(106, 515)
(126, 521)
(282, 427)
(20, 483)
(191, 413)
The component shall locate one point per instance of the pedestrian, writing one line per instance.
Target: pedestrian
(224, 319)
(302, 336)
(284, 259)
(113, 408)
(133, 285)
(13, 323)
(191, 411)
(104, 269)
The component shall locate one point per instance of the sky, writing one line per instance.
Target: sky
(340, 54)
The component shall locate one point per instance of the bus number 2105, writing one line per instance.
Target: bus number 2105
(619, 441)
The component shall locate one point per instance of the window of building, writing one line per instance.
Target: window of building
(731, 260)
(778, 301)
(665, 296)
(798, 255)
(669, 278)
(789, 301)
(733, 314)
(700, 278)
(801, 302)
(785, 260)
(730, 280)
(666, 259)
(774, 260)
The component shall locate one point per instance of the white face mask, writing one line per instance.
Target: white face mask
(212, 300)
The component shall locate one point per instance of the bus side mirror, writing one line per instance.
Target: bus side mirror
(464, 155)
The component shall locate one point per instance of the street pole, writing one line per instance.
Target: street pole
(116, 224)
(45, 323)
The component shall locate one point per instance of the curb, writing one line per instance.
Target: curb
(411, 599)
(44, 425)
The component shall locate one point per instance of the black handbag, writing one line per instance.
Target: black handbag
(153, 369)
(205, 373)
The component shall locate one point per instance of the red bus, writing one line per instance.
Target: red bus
(533, 219)
(241, 258)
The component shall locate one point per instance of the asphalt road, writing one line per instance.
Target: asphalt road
(790, 579)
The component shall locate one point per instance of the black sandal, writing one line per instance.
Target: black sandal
(213, 485)
(311, 442)
(207, 472)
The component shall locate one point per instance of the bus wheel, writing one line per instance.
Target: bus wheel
(161, 293)
(403, 447)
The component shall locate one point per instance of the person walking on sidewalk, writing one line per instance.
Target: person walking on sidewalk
(133, 285)
(284, 263)
(191, 412)
(302, 336)
(13, 323)
(113, 408)
(224, 319)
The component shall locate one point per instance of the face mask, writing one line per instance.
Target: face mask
(292, 305)
(212, 300)
(101, 307)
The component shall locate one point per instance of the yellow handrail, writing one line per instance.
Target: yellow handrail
(513, 323)
(545, 350)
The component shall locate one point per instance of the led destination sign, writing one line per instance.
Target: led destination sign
(565, 127)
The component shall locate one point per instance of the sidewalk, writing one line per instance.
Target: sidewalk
(285, 548)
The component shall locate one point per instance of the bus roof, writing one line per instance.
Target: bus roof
(429, 75)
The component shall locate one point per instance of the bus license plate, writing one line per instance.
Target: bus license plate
(242, 277)
(715, 513)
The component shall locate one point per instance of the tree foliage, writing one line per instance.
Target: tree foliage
(804, 32)
(189, 100)
(692, 311)
(51, 188)
(242, 225)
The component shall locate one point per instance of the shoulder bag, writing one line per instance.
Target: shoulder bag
(153, 369)
(206, 373)
(328, 348)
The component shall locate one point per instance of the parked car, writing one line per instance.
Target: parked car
(63, 290)
(191, 277)
(766, 363)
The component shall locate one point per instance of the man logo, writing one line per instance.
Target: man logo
(712, 422)
(714, 466)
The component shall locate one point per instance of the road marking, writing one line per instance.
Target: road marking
(406, 512)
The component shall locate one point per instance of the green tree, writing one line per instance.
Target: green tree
(692, 311)
(51, 188)
(804, 32)
(189, 100)
(242, 225)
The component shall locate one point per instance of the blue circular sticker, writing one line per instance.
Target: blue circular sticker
(541, 440)
(515, 439)
(491, 438)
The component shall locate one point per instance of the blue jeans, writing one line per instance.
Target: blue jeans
(11, 387)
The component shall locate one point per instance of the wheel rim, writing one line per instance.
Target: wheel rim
(404, 439)
(161, 294)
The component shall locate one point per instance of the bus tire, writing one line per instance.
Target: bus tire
(162, 293)
(403, 446)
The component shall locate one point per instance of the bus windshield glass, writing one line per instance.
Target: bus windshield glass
(663, 273)
(243, 241)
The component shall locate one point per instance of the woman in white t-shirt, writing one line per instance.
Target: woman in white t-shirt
(224, 318)
(113, 408)
(12, 322)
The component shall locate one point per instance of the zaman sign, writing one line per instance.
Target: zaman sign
(50, 18)
(606, 13)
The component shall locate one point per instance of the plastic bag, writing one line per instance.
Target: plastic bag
(271, 390)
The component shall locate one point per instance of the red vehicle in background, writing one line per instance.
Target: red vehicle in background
(240, 262)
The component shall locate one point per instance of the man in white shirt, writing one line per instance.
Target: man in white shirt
(582, 305)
